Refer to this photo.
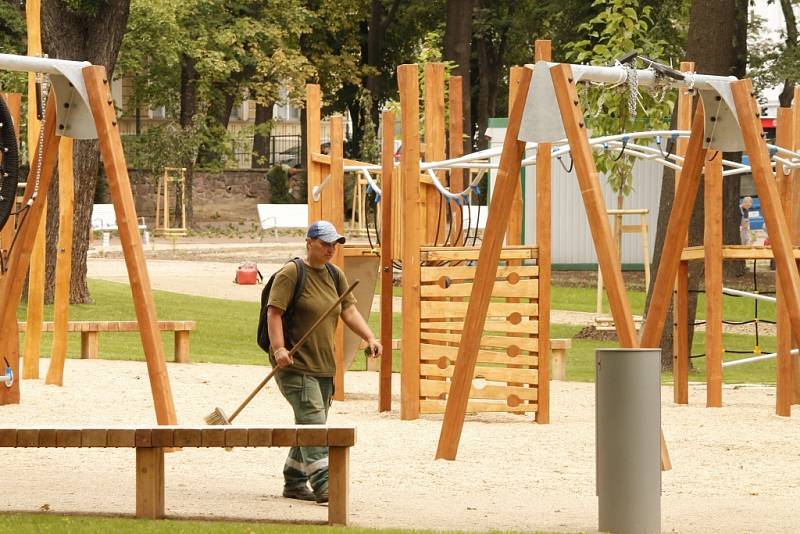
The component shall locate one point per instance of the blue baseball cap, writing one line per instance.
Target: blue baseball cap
(324, 231)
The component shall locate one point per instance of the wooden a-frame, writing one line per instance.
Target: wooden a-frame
(103, 113)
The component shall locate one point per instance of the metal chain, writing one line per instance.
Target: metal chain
(40, 147)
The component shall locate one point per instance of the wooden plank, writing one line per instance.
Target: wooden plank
(8, 437)
(408, 83)
(795, 224)
(47, 437)
(783, 371)
(162, 437)
(512, 311)
(68, 437)
(521, 343)
(312, 436)
(495, 374)
(333, 211)
(464, 272)
(143, 437)
(102, 106)
(445, 354)
(236, 437)
(94, 437)
(735, 252)
(591, 192)
(187, 437)
(28, 437)
(437, 406)
(526, 289)
(341, 436)
(434, 150)
(680, 357)
(677, 229)
(387, 264)
(779, 235)
(313, 140)
(456, 146)
(525, 326)
(150, 483)
(338, 485)
(512, 395)
(212, 437)
(712, 240)
(66, 200)
(514, 231)
(522, 252)
(259, 437)
(284, 437)
(120, 437)
(544, 209)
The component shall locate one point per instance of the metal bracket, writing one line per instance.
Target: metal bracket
(721, 130)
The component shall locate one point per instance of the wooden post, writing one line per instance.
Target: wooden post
(592, 195)
(387, 268)
(150, 482)
(779, 235)
(433, 204)
(66, 200)
(456, 144)
(514, 232)
(795, 223)
(783, 380)
(680, 356)
(544, 222)
(102, 106)
(408, 83)
(313, 142)
(485, 273)
(712, 242)
(334, 199)
(339, 488)
(20, 257)
(677, 230)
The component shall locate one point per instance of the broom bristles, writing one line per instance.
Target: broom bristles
(217, 417)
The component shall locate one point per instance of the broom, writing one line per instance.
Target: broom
(218, 417)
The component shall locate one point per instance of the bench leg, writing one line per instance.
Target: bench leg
(338, 485)
(150, 482)
(558, 364)
(182, 346)
(89, 345)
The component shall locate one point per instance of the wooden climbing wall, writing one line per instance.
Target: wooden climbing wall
(506, 373)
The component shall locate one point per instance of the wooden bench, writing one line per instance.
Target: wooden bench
(558, 358)
(90, 329)
(151, 442)
(104, 218)
(282, 216)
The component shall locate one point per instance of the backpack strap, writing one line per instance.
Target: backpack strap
(334, 272)
(300, 284)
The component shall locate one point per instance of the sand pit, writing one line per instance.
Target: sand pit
(737, 468)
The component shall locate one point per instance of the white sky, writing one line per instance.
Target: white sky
(774, 24)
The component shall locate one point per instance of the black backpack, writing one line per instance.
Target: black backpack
(263, 332)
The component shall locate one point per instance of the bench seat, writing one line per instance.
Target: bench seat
(90, 329)
(150, 443)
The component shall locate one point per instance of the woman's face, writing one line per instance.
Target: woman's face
(320, 252)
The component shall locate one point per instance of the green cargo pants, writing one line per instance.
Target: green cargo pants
(310, 397)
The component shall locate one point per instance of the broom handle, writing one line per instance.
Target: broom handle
(294, 349)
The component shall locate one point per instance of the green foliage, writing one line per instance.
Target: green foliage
(12, 39)
(771, 62)
(166, 145)
(620, 26)
(278, 179)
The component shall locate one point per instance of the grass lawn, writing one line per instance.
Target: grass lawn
(58, 524)
(226, 330)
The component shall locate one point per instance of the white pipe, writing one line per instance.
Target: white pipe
(755, 296)
(752, 359)
(8, 377)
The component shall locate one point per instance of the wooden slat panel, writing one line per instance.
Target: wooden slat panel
(524, 343)
(259, 437)
(116, 437)
(284, 437)
(503, 289)
(524, 327)
(187, 437)
(434, 388)
(68, 437)
(438, 406)
(312, 436)
(236, 437)
(471, 253)
(430, 352)
(496, 374)
(93, 437)
(436, 309)
(466, 272)
(28, 437)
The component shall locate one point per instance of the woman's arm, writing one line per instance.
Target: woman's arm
(357, 324)
(276, 341)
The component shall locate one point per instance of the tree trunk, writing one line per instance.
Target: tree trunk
(791, 46)
(94, 38)
(457, 48)
(261, 148)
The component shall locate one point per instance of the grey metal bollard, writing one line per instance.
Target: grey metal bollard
(628, 430)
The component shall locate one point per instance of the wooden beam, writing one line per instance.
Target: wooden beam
(544, 223)
(20, 257)
(783, 371)
(313, 142)
(102, 106)
(66, 200)
(677, 230)
(795, 224)
(591, 191)
(387, 265)
(150, 482)
(514, 232)
(333, 210)
(712, 188)
(485, 271)
(408, 83)
(779, 235)
(434, 150)
(680, 356)
(456, 144)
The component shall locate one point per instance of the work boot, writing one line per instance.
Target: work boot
(302, 494)
(321, 495)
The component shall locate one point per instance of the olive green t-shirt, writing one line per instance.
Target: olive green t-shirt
(316, 356)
